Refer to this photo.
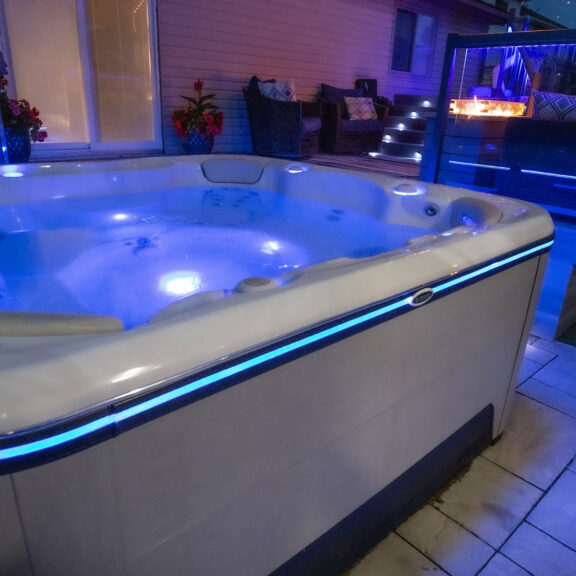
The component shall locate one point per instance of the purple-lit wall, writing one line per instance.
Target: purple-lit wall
(225, 42)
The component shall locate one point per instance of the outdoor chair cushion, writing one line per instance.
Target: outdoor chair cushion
(364, 127)
(552, 106)
(254, 82)
(334, 95)
(278, 90)
(360, 108)
(311, 124)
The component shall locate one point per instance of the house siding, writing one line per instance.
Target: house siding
(225, 42)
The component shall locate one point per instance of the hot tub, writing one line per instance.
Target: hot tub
(223, 365)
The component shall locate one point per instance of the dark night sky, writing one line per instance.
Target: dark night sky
(563, 11)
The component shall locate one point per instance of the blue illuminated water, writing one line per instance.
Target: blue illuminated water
(131, 255)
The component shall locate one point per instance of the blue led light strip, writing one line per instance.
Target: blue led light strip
(57, 440)
(552, 174)
(490, 267)
(477, 165)
(162, 399)
(257, 361)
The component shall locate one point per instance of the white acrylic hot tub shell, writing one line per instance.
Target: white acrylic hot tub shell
(251, 475)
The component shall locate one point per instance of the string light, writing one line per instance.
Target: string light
(142, 2)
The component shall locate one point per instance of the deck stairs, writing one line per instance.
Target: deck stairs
(405, 126)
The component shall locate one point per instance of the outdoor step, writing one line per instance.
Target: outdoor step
(412, 111)
(407, 136)
(401, 149)
(415, 100)
(405, 123)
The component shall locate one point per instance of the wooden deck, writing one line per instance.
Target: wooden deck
(388, 165)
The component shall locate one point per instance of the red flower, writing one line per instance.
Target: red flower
(18, 115)
(200, 115)
(14, 106)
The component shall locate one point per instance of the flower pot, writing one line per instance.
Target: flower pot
(18, 146)
(198, 143)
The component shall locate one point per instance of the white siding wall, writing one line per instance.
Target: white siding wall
(225, 42)
(451, 17)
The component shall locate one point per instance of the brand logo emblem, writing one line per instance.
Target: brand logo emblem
(421, 297)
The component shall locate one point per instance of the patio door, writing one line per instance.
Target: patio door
(90, 67)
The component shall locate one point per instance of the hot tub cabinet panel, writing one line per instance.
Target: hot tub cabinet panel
(322, 432)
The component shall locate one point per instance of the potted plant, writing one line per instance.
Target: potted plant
(22, 124)
(198, 123)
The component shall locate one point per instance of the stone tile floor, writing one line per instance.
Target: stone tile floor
(513, 512)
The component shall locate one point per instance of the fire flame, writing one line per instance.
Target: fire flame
(477, 107)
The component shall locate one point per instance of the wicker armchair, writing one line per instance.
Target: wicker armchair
(341, 135)
(282, 128)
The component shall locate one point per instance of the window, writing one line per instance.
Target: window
(414, 36)
(89, 67)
